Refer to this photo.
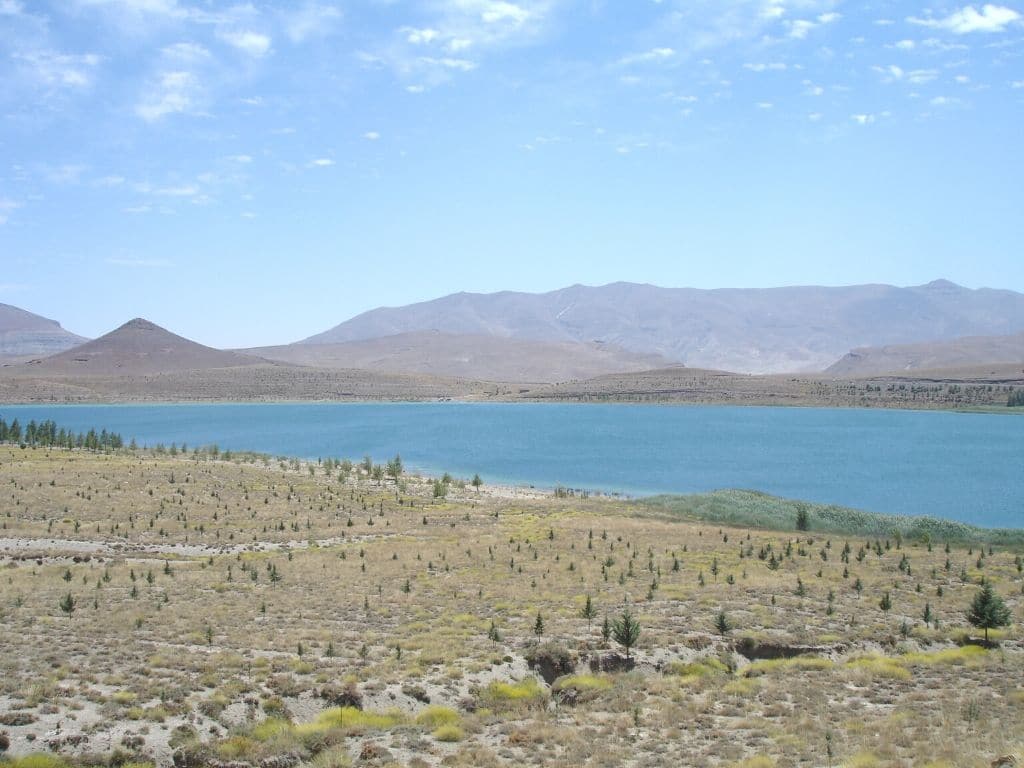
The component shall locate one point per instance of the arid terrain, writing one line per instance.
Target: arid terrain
(486, 358)
(970, 352)
(195, 608)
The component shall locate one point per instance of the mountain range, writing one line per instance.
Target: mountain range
(580, 333)
(773, 330)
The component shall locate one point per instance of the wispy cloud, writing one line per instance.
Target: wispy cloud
(249, 42)
(6, 206)
(53, 69)
(645, 57)
(310, 20)
(173, 93)
(139, 263)
(991, 18)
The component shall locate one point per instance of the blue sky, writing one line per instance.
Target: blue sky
(258, 172)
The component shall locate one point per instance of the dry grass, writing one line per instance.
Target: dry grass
(244, 611)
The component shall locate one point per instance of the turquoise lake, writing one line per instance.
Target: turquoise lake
(967, 467)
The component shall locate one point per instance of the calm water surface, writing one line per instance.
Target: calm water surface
(967, 467)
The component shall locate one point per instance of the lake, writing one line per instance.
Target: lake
(960, 466)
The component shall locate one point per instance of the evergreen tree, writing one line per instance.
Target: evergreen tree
(68, 603)
(625, 630)
(885, 603)
(988, 611)
(538, 625)
(589, 612)
(722, 625)
(803, 521)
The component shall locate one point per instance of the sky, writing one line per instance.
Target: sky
(255, 173)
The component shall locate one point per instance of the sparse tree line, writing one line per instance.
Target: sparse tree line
(47, 434)
(1016, 398)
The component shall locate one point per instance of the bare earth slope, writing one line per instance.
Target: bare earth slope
(142, 362)
(138, 347)
(966, 352)
(487, 358)
(749, 330)
(24, 334)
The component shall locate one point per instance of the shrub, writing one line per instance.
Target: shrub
(449, 733)
(38, 760)
(350, 718)
(436, 716)
(582, 683)
(880, 666)
(696, 669)
(503, 696)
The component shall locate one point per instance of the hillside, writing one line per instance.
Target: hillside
(23, 334)
(962, 353)
(486, 358)
(746, 330)
(138, 347)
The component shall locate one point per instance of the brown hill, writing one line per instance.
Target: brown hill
(968, 352)
(470, 356)
(23, 334)
(138, 347)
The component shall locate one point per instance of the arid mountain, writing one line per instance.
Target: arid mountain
(965, 352)
(138, 347)
(486, 358)
(23, 334)
(746, 330)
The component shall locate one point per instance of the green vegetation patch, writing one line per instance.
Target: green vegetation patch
(761, 510)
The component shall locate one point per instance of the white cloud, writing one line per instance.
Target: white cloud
(863, 119)
(421, 36)
(1017, 84)
(774, 66)
(109, 181)
(189, 53)
(891, 73)
(463, 65)
(322, 162)
(59, 69)
(6, 206)
(371, 135)
(252, 43)
(174, 93)
(311, 20)
(991, 18)
(800, 28)
(905, 45)
(10, 7)
(654, 54)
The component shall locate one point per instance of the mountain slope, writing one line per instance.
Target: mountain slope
(487, 358)
(961, 353)
(25, 334)
(747, 330)
(138, 347)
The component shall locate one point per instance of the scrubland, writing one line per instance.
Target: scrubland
(247, 611)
